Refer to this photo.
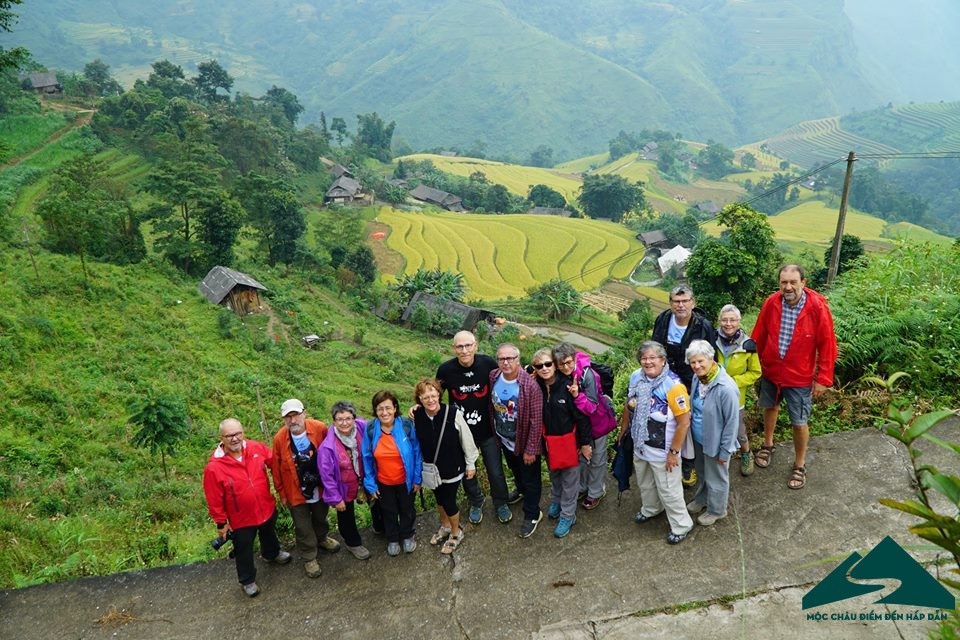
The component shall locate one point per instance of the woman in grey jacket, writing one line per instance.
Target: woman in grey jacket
(715, 399)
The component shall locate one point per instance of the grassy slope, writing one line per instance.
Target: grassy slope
(72, 359)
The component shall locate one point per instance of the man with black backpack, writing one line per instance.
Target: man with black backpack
(297, 480)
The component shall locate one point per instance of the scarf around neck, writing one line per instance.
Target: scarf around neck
(641, 413)
(350, 442)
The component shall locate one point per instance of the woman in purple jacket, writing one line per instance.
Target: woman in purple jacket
(341, 472)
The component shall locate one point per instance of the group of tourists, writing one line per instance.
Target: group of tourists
(683, 420)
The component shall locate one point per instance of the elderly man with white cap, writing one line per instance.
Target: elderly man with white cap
(297, 480)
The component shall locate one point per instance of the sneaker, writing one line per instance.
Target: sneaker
(563, 526)
(329, 544)
(529, 526)
(695, 507)
(312, 569)
(359, 552)
(504, 515)
(707, 519)
(676, 538)
(393, 548)
(410, 545)
(746, 464)
(689, 477)
(641, 519)
(591, 503)
(282, 558)
(553, 511)
(514, 497)
(252, 590)
(476, 515)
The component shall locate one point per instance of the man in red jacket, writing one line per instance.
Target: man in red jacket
(238, 496)
(797, 349)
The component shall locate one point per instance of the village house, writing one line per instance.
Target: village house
(437, 197)
(344, 190)
(46, 83)
(235, 290)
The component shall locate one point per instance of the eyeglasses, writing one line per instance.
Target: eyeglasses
(683, 301)
(651, 358)
(346, 420)
(508, 358)
(463, 347)
(232, 436)
(542, 365)
(565, 363)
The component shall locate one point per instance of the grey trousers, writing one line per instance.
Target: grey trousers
(564, 485)
(713, 482)
(662, 490)
(310, 526)
(593, 473)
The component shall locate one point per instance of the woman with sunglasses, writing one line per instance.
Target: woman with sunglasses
(567, 433)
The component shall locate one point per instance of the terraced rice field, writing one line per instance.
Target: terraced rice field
(814, 222)
(581, 165)
(502, 256)
(821, 140)
(516, 178)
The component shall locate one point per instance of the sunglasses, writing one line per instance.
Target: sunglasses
(542, 365)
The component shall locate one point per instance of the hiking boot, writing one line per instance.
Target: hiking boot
(529, 526)
(252, 590)
(476, 515)
(553, 511)
(329, 544)
(707, 519)
(359, 552)
(312, 569)
(695, 507)
(746, 464)
(689, 477)
(514, 497)
(504, 515)
(393, 549)
(591, 503)
(563, 526)
(282, 558)
(410, 545)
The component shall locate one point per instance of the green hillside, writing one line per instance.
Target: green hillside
(510, 74)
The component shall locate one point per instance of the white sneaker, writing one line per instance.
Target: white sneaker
(707, 519)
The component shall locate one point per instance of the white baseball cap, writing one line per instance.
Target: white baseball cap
(291, 406)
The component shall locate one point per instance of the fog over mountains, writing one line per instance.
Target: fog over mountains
(515, 74)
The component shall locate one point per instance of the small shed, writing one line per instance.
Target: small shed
(232, 289)
(46, 83)
(550, 211)
(675, 257)
(472, 316)
(652, 239)
(345, 189)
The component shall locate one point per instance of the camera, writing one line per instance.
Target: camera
(218, 542)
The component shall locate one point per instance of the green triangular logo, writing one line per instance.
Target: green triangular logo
(887, 560)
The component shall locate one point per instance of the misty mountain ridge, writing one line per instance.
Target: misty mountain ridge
(515, 74)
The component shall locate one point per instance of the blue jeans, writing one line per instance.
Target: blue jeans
(528, 481)
(490, 452)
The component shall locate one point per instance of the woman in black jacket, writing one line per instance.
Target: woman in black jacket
(567, 435)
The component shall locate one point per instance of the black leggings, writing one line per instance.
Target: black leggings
(446, 497)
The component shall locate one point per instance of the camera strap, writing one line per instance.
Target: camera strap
(302, 460)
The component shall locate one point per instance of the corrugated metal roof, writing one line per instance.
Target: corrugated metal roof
(220, 280)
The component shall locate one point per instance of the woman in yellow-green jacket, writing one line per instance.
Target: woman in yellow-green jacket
(737, 353)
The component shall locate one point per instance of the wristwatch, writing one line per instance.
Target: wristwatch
(675, 452)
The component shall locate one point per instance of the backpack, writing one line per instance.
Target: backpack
(605, 372)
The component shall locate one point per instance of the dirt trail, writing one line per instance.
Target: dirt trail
(84, 117)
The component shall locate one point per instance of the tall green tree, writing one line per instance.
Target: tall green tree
(169, 79)
(541, 195)
(542, 156)
(286, 101)
(84, 213)
(10, 58)
(220, 217)
(740, 267)
(715, 161)
(163, 424)
(274, 211)
(210, 79)
(99, 81)
(374, 136)
(610, 196)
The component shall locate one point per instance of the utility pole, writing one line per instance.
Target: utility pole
(841, 220)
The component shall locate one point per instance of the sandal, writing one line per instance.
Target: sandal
(762, 458)
(440, 535)
(798, 478)
(452, 543)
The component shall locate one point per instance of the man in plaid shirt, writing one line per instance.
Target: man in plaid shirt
(797, 349)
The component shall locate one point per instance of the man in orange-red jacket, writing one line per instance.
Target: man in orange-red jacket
(297, 479)
(238, 496)
(797, 348)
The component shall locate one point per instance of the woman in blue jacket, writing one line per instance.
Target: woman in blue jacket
(392, 471)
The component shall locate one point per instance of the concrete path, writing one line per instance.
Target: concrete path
(610, 578)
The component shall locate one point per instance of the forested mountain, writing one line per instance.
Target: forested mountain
(510, 74)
